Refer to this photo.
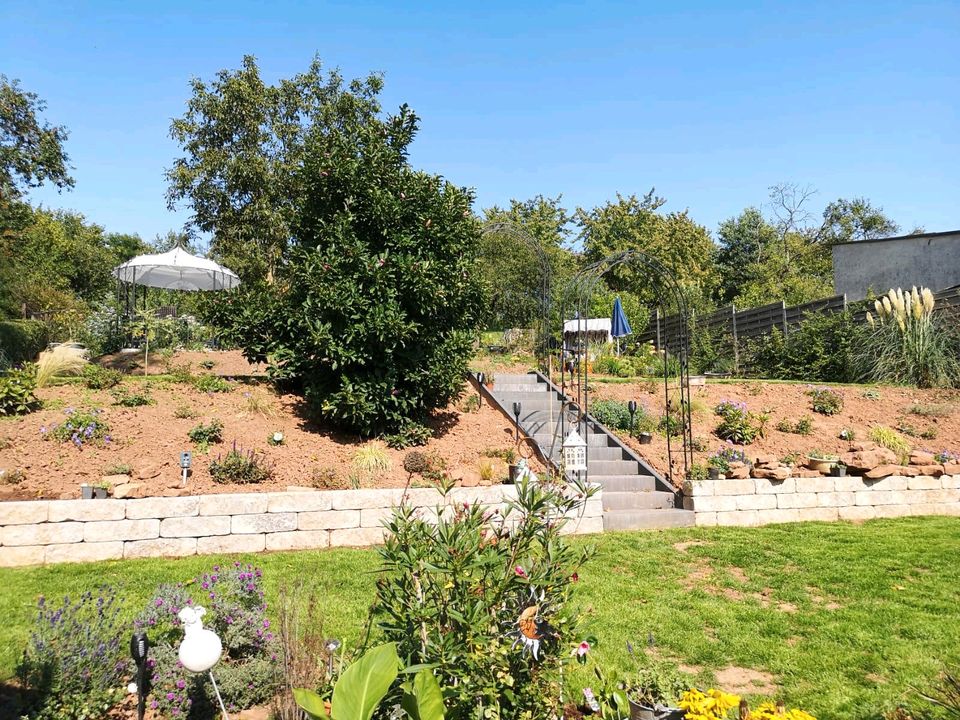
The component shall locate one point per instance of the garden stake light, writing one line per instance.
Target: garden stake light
(481, 379)
(516, 421)
(632, 407)
(185, 461)
(200, 649)
(139, 646)
(331, 646)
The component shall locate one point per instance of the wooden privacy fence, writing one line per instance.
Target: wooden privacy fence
(738, 325)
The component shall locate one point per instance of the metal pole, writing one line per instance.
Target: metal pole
(216, 690)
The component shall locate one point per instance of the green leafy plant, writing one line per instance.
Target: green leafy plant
(697, 473)
(803, 426)
(361, 688)
(737, 424)
(508, 455)
(722, 459)
(888, 438)
(613, 414)
(16, 391)
(410, 434)
(208, 383)
(847, 434)
(820, 455)
(456, 586)
(470, 404)
(670, 424)
(205, 435)
(97, 377)
(928, 433)
(132, 398)
(657, 683)
(870, 394)
(937, 410)
(207, 364)
(819, 349)
(825, 401)
(119, 469)
(240, 467)
(184, 412)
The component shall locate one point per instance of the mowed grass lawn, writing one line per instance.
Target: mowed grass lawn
(845, 618)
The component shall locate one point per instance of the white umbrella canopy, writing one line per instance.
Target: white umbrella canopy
(176, 270)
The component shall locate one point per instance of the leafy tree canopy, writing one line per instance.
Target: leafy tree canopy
(852, 220)
(375, 304)
(31, 151)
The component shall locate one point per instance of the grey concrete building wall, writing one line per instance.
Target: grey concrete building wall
(930, 260)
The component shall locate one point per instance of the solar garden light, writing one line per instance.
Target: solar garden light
(139, 645)
(516, 418)
(632, 407)
(331, 646)
(481, 380)
(574, 453)
(200, 649)
(185, 461)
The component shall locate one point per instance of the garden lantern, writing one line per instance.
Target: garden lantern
(185, 462)
(632, 407)
(516, 420)
(139, 646)
(574, 453)
(200, 649)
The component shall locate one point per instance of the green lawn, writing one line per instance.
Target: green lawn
(845, 617)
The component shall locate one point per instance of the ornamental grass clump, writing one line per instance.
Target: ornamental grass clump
(486, 597)
(236, 611)
(75, 663)
(240, 467)
(906, 344)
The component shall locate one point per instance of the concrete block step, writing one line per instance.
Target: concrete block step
(596, 468)
(527, 388)
(594, 440)
(650, 500)
(647, 519)
(625, 483)
(515, 379)
(594, 453)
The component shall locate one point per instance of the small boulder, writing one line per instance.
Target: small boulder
(922, 457)
(173, 492)
(780, 473)
(805, 472)
(931, 470)
(882, 471)
(113, 480)
(467, 477)
(150, 471)
(862, 446)
(951, 468)
(766, 460)
(739, 473)
(128, 490)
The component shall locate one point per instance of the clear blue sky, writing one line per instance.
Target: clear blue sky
(710, 102)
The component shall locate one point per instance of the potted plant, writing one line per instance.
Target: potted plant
(93, 492)
(644, 437)
(489, 379)
(839, 470)
(821, 461)
(655, 690)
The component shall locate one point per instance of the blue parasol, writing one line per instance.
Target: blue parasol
(619, 325)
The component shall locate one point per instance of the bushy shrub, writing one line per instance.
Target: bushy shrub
(240, 467)
(97, 377)
(205, 435)
(410, 434)
(905, 343)
(209, 383)
(376, 305)
(22, 340)
(737, 424)
(803, 426)
(75, 661)
(136, 397)
(612, 414)
(80, 428)
(819, 349)
(825, 401)
(247, 674)
(456, 591)
(16, 391)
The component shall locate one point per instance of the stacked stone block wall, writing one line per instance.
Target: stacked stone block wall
(760, 501)
(53, 531)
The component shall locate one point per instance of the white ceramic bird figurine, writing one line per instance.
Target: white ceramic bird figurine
(200, 649)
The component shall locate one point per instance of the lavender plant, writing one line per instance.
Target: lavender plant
(75, 664)
(80, 428)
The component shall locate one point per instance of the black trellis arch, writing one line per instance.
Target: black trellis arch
(541, 329)
(575, 305)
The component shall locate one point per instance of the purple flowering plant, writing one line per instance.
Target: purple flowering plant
(75, 662)
(722, 458)
(738, 424)
(80, 428)
(946, 456)
(236, 610)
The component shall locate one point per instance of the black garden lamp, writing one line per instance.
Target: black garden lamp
(481, 379)
(632, 407)
(139, 645)
(516, 419)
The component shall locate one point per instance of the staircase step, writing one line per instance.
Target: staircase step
(651, 500)
(526, 388)
(514, 379)
(647, 519)
(626, 483)
(596, 468)
(594, 440)
(611, 452)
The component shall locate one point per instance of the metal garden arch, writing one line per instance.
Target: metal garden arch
(576, 302)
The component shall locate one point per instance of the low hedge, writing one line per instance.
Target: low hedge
(22, 340)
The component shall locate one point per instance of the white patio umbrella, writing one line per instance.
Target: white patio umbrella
(176, 270)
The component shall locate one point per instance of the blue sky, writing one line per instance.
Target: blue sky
(709, 102)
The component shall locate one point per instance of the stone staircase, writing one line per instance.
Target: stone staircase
(635, 496)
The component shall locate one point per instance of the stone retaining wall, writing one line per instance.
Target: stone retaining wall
(759, 501)
(54, 531)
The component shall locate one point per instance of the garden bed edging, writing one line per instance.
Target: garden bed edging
(36, 532)
(762, 501)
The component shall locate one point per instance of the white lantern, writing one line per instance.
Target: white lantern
(574, 453)
(200, 649)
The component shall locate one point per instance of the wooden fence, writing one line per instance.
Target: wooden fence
(738, 325)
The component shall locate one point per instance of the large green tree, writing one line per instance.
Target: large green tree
(375, 303)
(244, 143)
(744, 242)
(852, 220)
(31, 151)
(681, 245)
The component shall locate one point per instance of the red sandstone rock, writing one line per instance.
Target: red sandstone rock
(780, 473)
(882, 471)
(740, 473)
(951, 468)
(921, 457)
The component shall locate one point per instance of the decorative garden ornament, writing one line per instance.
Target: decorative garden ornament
(574, 453)
(200, 649)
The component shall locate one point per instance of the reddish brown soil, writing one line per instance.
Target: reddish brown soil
(789, 401)
(150, 436)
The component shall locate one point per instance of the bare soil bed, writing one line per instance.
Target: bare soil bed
(863, 409)
(150, 438)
